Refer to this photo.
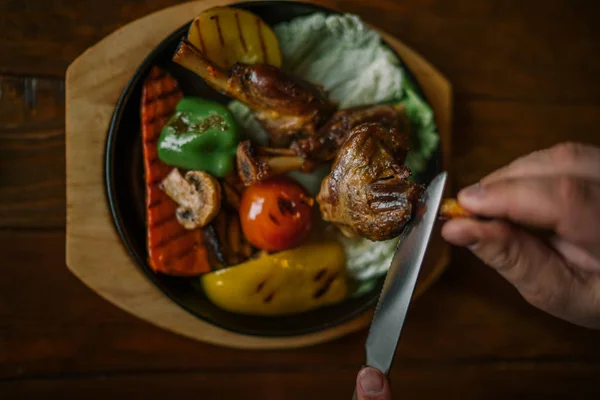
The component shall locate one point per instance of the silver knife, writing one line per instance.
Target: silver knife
(401, 279)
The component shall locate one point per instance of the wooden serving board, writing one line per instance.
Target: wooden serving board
(94, 250)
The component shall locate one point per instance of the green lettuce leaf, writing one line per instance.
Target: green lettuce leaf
(425, 137)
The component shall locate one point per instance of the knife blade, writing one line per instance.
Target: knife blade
(401, 279)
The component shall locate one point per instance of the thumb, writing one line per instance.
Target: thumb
(371, 384)
(524, 260)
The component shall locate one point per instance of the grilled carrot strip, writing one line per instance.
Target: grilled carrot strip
(172, 249)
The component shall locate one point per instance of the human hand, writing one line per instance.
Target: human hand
(556, 189)
(371, 384)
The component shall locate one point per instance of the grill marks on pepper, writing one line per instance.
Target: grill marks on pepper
(320, 274)
(323, 289)
(269, 297)
(320, 292)
(260, 287)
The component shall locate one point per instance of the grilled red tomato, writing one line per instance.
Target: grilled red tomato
(276, 214)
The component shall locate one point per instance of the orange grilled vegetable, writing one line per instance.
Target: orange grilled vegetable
(172, 249)
(450, 209)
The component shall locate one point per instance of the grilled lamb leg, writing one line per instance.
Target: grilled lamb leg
(368, 193)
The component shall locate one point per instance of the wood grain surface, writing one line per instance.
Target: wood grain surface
(525, 77)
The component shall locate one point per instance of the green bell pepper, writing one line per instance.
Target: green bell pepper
(202, 136)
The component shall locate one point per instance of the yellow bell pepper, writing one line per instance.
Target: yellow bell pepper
(292, 281)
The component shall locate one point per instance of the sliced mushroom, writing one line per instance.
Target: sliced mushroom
(198, 196)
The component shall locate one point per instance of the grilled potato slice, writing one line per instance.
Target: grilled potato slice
(227, 35)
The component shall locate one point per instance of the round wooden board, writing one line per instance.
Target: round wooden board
(94, 250)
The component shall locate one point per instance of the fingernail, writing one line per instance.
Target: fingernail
(472, 192)
(473, 246)
(371, 381)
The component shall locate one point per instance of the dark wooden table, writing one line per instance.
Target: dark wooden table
(526, 75)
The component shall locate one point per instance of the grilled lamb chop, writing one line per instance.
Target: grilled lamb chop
(257, 164)
(288, 107)
(325, 145)
(368, 193)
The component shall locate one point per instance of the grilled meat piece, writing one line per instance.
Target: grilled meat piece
(260, 163)
(257, 164)
(368, 192)
(324, 147)
(288, 107)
